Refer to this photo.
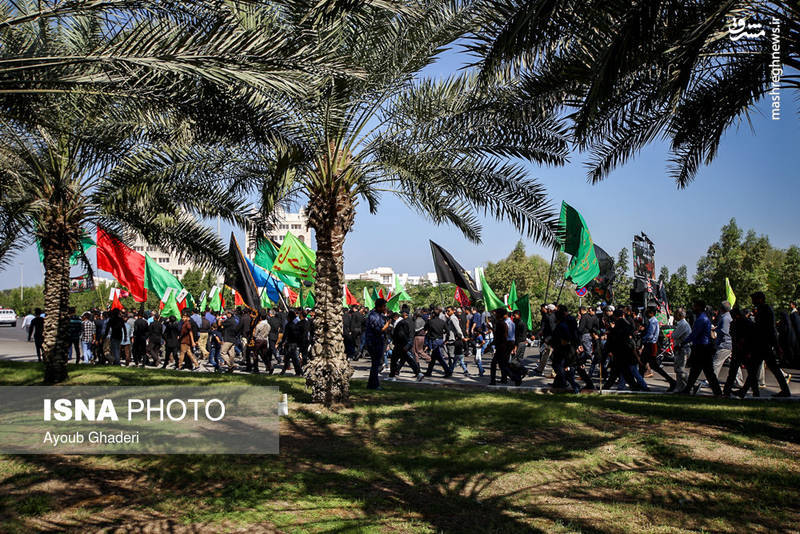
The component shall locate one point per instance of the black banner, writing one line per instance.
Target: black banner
(239, 277)
(644, 253)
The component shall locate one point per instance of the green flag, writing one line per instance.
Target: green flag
(295, 258)
(265, 257)
(393, 304)
(265, 302)
(729, 295)
(216, 300)
(309, 301)
(512, 296)
(490, 300)
(158, 279)
(171, 306)
(369, 302)
(400, 290)
(86, 243)
(577, 241)
(524, 307)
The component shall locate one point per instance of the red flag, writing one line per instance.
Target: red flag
(116, 303)
(123, 262)
(462, 297)
(237, 299)
(380, 293)
(292, 296)
(222, 299)
(349, 298)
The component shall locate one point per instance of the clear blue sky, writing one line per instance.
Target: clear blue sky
(754, 178)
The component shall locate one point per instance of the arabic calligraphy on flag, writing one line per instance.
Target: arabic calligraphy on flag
(295, 258)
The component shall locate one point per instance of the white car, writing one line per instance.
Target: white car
(8, 317)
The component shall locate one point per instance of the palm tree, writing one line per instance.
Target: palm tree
(113, 151)
(627, 73)
(439, 145)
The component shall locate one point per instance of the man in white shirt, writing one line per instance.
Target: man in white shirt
(26, 324)
(681, 348)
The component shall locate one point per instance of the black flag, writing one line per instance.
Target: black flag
(239, 277)
(601, 285)
(449, 270)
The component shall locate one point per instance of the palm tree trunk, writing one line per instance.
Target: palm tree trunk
(328, 373)
(56, 308)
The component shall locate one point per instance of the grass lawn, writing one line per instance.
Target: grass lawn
(435, 460)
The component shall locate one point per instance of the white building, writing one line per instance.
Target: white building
(385, 276)
(296, 223)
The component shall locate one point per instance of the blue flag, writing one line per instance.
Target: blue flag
(260, 276)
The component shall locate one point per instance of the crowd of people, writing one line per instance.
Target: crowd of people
(606, 347)
(618, 346)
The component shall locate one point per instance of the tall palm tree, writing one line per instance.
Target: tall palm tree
(115, 155)
(442, 146)
(627, 73)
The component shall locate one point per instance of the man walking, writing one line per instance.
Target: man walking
(37, 329)
(504, 344)
(374, 342)
(155, 338)
(701, 359)
(87, 336)
(229, 338)
(650, 347)
(767, 343)
(724, 344)
(402, 339)
(140, 328)
(436, 329)
(187, 342)
(682, 348)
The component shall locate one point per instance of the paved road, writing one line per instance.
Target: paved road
(14, 346)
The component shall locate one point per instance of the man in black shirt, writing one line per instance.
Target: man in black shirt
(293, 334)
(619, 346)
(140, 332)
(115, 331)
(436, 328)
(37, 330)
(230, 336)
(155, 338)
(768, 340)
(75, 330)
(402, 338)
(275, 330)
(172, 332)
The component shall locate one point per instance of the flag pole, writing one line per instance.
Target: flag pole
(558, 298)
(549, 275)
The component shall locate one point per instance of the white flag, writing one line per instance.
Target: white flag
(182, 295)
(113, 292)
(167, 293)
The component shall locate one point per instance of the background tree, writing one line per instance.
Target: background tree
(440, 145)
(193, 281)
(530, 274)
(117, 156)
(623, 282)
(787, 284)
(678, 289)
(743, 259)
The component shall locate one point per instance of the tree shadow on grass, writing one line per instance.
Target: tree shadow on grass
(401, 459)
